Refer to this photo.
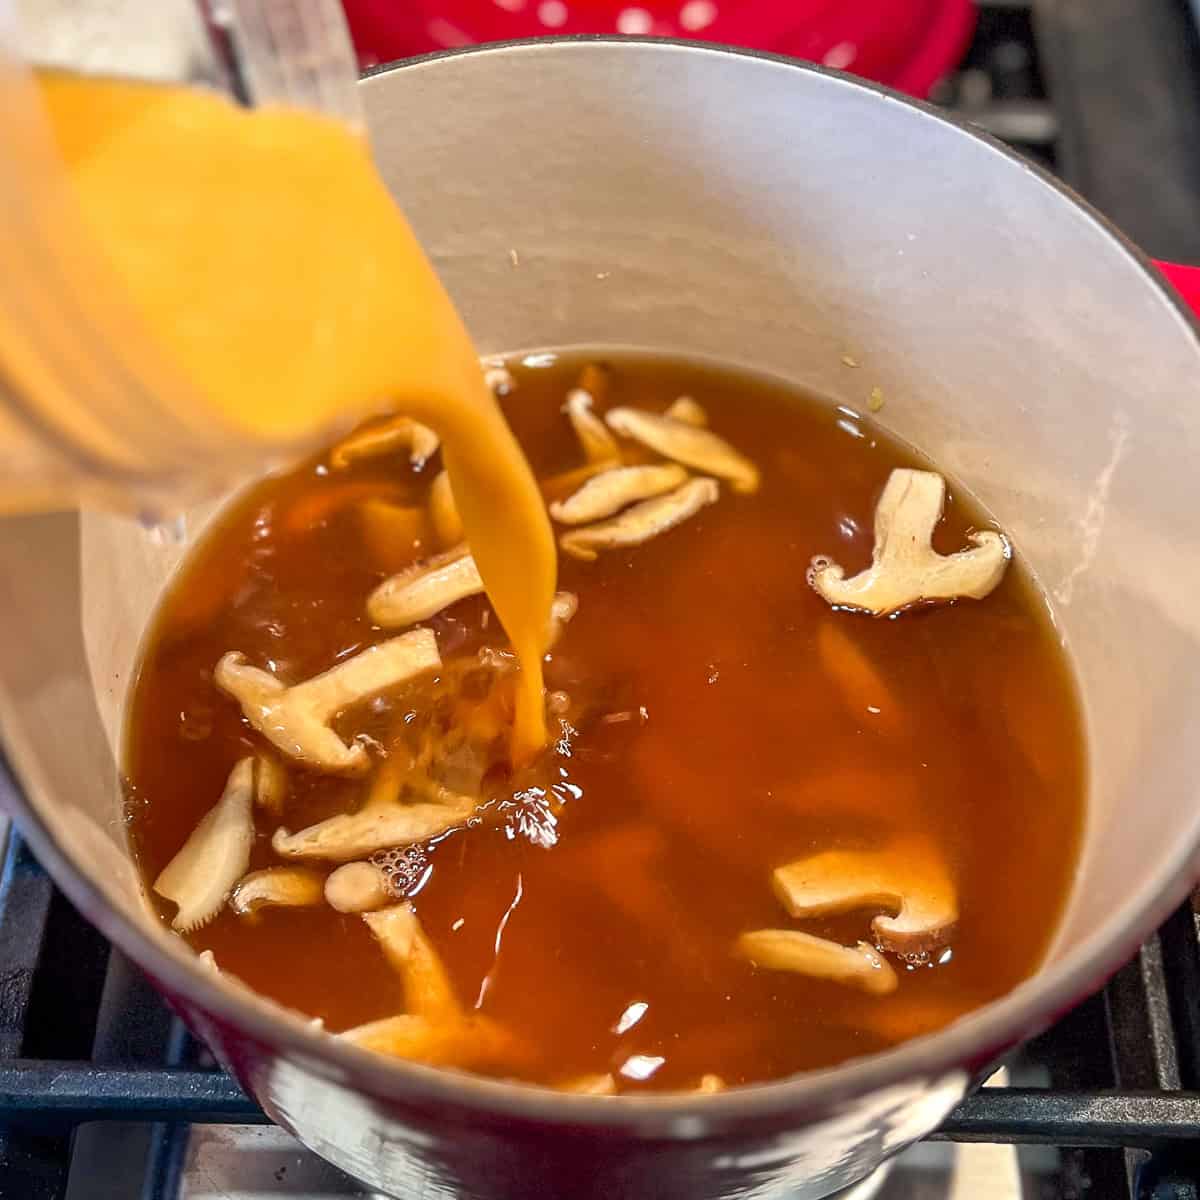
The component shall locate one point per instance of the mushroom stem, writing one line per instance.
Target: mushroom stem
(424, 590)
(790, 950)
(202, 874)
(296, 719)
(428, 991)
(598, 445)
(698, 448)
(905, 569)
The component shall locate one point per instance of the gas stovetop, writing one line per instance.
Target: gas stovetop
(104, 1095)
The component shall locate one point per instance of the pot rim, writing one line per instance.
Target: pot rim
(960, 1047)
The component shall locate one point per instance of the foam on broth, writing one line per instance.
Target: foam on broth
(716, 739)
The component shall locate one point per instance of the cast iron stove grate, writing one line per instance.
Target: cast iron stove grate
(99, 1084)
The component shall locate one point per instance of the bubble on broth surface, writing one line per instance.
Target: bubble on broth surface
(405, 867)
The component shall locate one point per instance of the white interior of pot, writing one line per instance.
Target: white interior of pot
(689, 202)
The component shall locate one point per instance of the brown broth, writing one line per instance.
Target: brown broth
(750, 753)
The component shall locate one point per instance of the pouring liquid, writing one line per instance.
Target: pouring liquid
(261, 256)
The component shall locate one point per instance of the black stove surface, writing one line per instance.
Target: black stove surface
(104, 1095)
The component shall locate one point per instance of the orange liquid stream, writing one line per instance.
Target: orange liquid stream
(261, 255)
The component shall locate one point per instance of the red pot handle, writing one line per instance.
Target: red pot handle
(1186, 281)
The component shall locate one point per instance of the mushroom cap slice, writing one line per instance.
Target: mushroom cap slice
(610, 491)
(790, 950)
(641, 522)
(215, 856)
(905, 569)
(374, 827)
(358, 887)
(296, 719)
(908, 877)
(277, 887)
(383, 437)
(695, 447)
(425, 589)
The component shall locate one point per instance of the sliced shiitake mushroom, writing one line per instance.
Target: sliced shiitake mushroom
(428, 991)
(434, 1029)
(695, 447)
(200, 877)
(350, 836)
(423, 590)
(386, 437)
(277, 887)
(296, 719)
(790, 950)
(385, 820)
(908, 877)
(598, 445)
(687, 410)
(905, 569)
(610, 491)
(358, 887)
(641, 522)
(270, 784)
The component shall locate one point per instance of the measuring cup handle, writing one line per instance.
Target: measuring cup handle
(1186, 281)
